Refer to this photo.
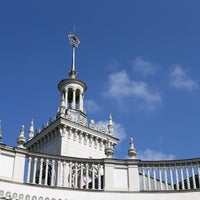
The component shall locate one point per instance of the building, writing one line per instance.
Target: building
(71, 159)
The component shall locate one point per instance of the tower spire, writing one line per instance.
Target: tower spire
(31, 130)
(74, 41)
(110, 125)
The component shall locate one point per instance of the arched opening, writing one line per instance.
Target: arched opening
(70, 97)
(78, 99)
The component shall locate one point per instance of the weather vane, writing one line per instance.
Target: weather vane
(74, 41)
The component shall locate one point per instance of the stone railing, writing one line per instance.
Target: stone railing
(108, 174)
(169, 175)
(64, 171)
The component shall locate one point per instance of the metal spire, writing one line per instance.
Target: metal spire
(74, 41)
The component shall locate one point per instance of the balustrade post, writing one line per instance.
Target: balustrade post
(149, 179)
(198, 168)
(171, 178)
(64, 174)
(99, 176)
(29, 169)
(154, 178)
(59, 174)
(46, 172)
(160, 178)
(143, 178)
(40, 172)
(133, 175)
(81, 178)
(93, 176)
(34, 170)
(87, 174)
(177, 181)
(70, 174)
(188, 178)
(18, 166)
(182, 178)
(193, 178)
(53, 173)
(76, 176)
(108, 175)
(165, 178)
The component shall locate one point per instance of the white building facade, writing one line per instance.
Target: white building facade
(72, 159)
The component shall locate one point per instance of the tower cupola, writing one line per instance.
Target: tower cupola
(72, 90)
(70, 134)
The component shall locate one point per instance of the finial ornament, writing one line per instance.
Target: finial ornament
(62, 108)
(31, 130)
(74, 41)
(132, 151)
(110, 126)
(21, 140)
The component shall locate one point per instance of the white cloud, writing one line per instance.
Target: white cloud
(119, 130)
(143, 67)
(149, 154)
(180, 80)
(91, 106)
(121, 87)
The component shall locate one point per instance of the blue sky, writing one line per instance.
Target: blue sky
(139, 59)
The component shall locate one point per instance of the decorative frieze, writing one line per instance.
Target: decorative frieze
(19, 196)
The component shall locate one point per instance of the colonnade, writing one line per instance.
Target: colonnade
(74, 99)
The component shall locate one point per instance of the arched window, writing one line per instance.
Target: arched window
(70, 97)
(78, 99)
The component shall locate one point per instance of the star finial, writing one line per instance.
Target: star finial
(74, 41)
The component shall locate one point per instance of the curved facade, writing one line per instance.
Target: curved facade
(70, 158)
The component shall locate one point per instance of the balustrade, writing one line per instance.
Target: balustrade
(89, 174)
(65, 172)
(107, 174)
(169, 175)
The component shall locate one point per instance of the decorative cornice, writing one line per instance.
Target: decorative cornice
(66, 82)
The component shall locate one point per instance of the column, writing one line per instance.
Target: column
(81, 101)
(74, 100)
(66, 99)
